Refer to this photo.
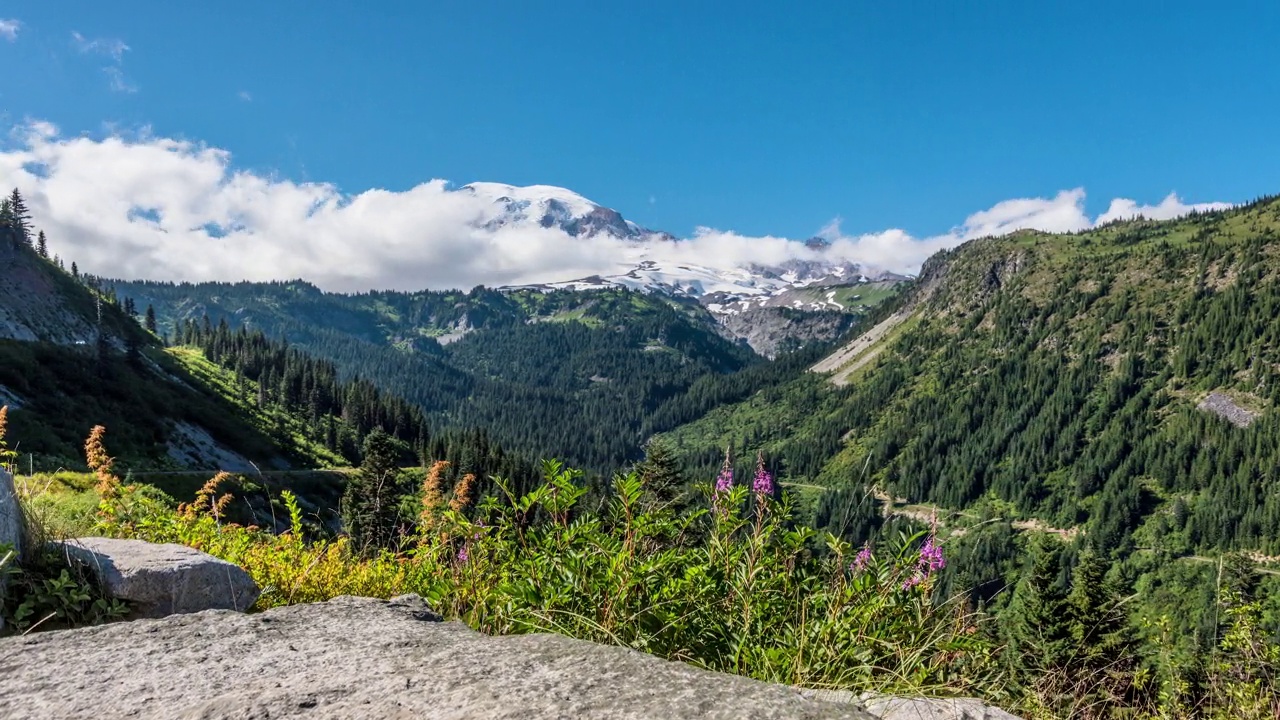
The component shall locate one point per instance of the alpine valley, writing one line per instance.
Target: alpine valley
(1086, 422)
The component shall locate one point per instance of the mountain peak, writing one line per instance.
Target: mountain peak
(549, 206)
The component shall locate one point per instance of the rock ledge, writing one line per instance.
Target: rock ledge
(365, 658)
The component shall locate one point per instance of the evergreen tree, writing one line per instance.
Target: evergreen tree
(1037, 623)
(75, 271)
(150, 320)
(20, 217)
(660, 472)
(42, 245)
(370, 504)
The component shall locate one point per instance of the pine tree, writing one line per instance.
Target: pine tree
(149, 322)
(1037, 622)
(1101, 660)
(660, 472)
(19, 216)
(75, 271)
(42, 245)
(370, 505)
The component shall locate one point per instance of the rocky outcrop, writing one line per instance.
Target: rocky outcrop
(771, 331)
(11, 528)
(364, 658)
(1224, 407)
(10, 513)
(159, 580)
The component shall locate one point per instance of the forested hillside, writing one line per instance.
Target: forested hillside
(586, 376)
(1115, 388)
(74, 354)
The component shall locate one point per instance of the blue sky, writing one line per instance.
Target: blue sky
(760, 118)
(917, 124)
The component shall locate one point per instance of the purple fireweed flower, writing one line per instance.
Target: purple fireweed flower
(862, 559)
(724, 481)
(763, 484)
(462, 555)
(931, 559)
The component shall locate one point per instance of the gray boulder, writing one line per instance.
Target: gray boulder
(10, 513)
(363, 658)
(11, 528)
(160, 580)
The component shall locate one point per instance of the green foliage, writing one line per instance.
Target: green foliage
(51, 592)
(736, 589)
(370, 506)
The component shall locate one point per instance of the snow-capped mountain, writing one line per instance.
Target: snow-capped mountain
(647, 263)
(737, 289)
(548, 206)
(813, 296)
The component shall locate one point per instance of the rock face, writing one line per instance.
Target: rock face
(1226, 408)
(10, 525)
(10, 513)
(160, 580)
(366, 658)
(362, 658)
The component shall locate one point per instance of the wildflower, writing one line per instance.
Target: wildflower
(100, 463)
(724, 481)
(862, 559)
(462, 493)
(931, 559)
(763, 484)
(433, 494)
(462, 555)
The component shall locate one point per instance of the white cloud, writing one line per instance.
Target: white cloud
(9, 29)
(245, 96)
(165, 209)
(112, 48)
(1171, 207)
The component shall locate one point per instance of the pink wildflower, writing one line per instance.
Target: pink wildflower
(862, 559)
(724, 481)
(931, 559)
(763, 484)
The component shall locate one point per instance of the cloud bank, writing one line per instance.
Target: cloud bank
(165, 209)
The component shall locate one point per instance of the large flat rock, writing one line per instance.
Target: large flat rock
(363, 658)
(163, 579)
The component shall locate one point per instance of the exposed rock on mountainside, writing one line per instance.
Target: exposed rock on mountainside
(366, 658)
(1223, 406)
(34, 303)
(774, 330)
